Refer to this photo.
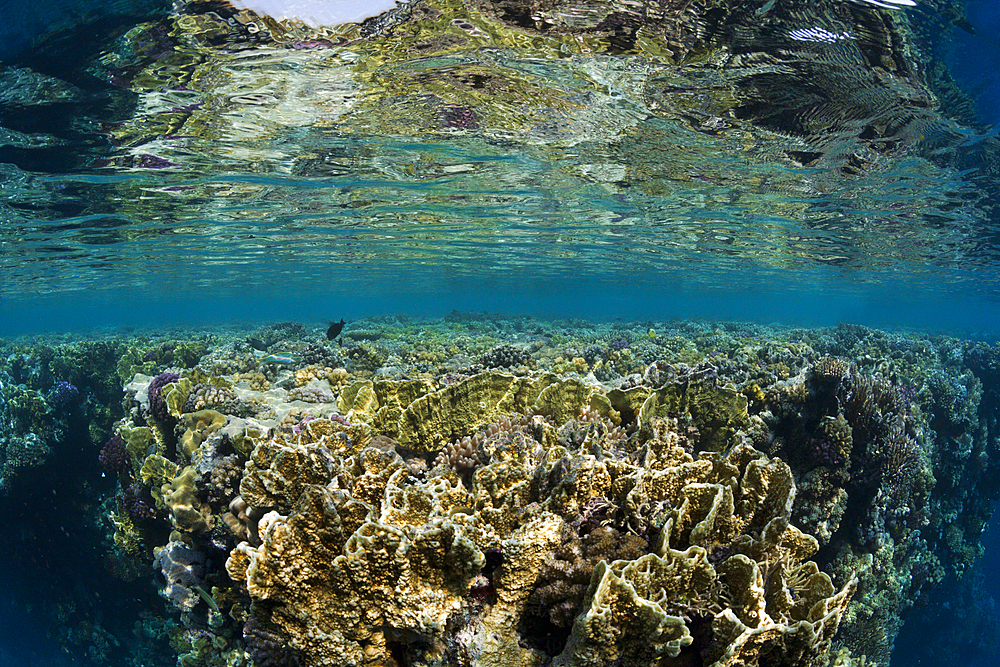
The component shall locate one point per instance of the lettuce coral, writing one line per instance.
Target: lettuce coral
(359, 560)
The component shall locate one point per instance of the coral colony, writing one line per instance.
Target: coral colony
(469, 492)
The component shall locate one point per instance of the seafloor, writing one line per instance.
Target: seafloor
(487, 490)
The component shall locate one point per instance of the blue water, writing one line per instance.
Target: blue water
(162, 167)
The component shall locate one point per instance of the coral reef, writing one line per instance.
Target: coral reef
(182, 569)
(460, 455)
(359, 560)
(711, 494)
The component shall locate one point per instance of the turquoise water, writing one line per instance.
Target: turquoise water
(167, 167)
(192, 161)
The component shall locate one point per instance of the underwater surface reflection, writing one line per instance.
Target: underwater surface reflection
(440, 141)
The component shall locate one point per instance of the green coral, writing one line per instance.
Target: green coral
(156, 471)
(29, 411)
(197, 427)
(718, 412)
(180, 496)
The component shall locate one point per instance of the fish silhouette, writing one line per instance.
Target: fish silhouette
(335, 329)
(257, 343)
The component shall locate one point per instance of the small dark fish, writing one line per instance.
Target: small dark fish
(256, 343)
(335, 329)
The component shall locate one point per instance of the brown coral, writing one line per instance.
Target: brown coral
(338, 585)
(563, 580)
(204, 396)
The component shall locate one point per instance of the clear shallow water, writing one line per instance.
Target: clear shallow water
(800, 162)
(452, 155)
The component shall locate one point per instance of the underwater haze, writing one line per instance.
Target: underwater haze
(314, 314)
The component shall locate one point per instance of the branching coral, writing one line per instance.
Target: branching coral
(563, 580)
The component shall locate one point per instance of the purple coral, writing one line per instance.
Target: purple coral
(825, 452)
(138, 502)
(62, 394)
(157, 406)
(619, 344)
(267, 647)
(114, 457)
(908, 394)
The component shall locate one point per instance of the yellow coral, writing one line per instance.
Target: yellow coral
(157, 470)
(358, 550)
(336, 377)
(562, 400)
(335, 590)
(754, 393)
(127, 537)
(187, 513)
(633, 616)
(748, 628)
(717, 411)
(175, 395)
(198, 426)
(255, 380)
(428, 422)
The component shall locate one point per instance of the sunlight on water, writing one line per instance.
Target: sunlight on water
(445, 141)
(316, 14)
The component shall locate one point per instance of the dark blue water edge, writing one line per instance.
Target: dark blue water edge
(963, 313)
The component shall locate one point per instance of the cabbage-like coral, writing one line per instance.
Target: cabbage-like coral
(359, 560)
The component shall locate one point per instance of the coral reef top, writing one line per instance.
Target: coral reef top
(482, 490)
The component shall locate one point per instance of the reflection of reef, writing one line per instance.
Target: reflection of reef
(719, 492)
(432, 66)
(666, 105)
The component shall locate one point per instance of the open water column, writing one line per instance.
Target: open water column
(577, 333)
